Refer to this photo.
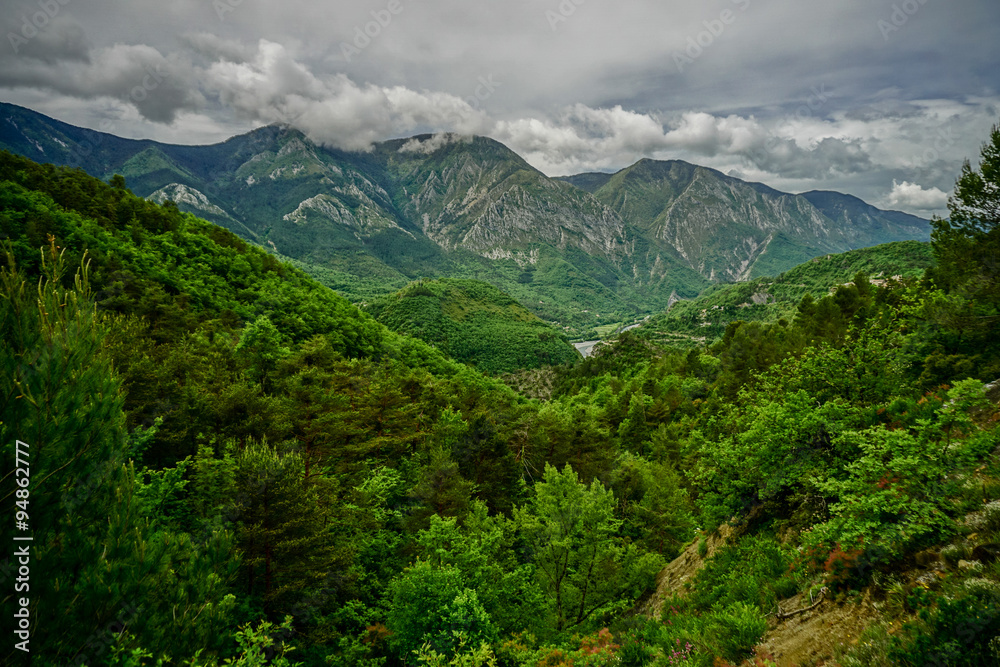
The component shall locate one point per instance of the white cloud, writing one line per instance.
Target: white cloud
(333, 110)
(433, 144)
(586, 139)
(912, 197)
(582, 138)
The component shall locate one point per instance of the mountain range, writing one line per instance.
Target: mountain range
(579, 251)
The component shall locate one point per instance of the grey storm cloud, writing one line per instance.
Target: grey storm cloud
(214, 48)
(881, 98)
(159, 87)
(60, 39)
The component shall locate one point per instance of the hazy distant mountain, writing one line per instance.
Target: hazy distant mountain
(581, 250)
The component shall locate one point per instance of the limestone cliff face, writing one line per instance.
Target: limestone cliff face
(474, 193)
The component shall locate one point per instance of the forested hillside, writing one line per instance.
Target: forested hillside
(476, 323)
(704, 319)
(231, 465)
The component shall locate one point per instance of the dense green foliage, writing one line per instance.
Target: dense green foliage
(475, 323)
(292, 449)
(233, 465)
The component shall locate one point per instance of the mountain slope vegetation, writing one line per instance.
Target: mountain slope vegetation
(731, 230)
(705, 318)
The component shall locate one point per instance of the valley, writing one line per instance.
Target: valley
(799, 468)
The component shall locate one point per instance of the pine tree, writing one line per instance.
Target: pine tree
(967, 243)
(98, 567)
(285, 529)
(440, 490)
(966, 311)
(317, 412)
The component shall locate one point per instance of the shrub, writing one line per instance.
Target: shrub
(596, 649)
(953, 553)
(955, 632)
(634, 651)
(733, 631)
(991, 517)
(703, 547)
(785, 587)
(841, 567)
(678, 653)
(743, 573)
(870, 651)
(982, 588)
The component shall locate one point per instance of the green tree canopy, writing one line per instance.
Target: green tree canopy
(583, 566)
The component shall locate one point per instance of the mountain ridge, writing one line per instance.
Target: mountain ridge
(454, 206)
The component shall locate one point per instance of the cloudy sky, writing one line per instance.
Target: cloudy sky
(883, 99)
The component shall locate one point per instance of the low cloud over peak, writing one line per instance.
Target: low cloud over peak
(834, 103)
